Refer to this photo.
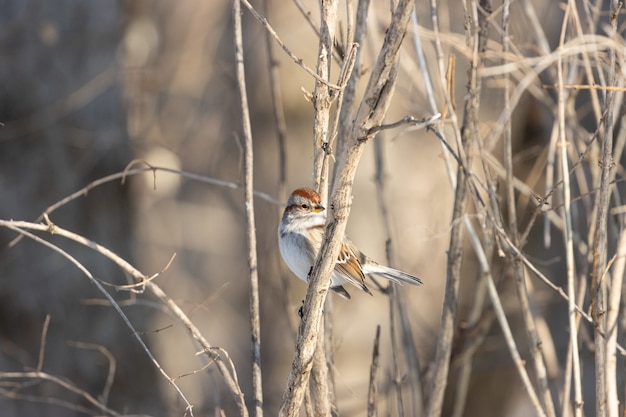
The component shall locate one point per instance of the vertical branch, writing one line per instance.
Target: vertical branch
(329, 344)
(373, 390)
(394, 298)
(281, 133)
(321, 152)
(455, 251)
(371, 113)
(255, 322)
(278, 113)
(349, 92)
(322, 99)
(397, 305)
(451, 299)
(600, 237)
(478, 325)
(397, 373)
(567, 231)
(320, 392)
(615, 297)
(504, 325)
(534, 344)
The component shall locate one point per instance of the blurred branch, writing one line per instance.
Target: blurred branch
(472, 336)
(599, 251)
(78, 99)
(291, 55)
(43, 376)
(248, 172)
(106, 390)
(229, 375)
(398, 315)
(568, 235)
(447, 81)
(373, 390)
(349, 92)
(281, 136)
(532, 338)
(278, 111)
(128, 172)
(477, 37)
(616, 287)
(501, 316)
(42, 345)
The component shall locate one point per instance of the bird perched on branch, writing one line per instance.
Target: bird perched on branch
(300, 236)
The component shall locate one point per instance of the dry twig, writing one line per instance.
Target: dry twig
(248, 172)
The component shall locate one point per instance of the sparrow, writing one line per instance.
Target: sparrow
(300, 236)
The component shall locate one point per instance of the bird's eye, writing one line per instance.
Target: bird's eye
(305, 206)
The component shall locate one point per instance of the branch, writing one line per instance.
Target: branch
(370, 113)
(230, 376)
(248, 173)
(291, 55)
(598, 286)
(372, 391)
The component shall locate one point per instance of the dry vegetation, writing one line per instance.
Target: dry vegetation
(489, 147)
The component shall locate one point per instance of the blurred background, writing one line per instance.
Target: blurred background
(88, 86)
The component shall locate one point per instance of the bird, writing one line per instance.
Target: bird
(300, 235)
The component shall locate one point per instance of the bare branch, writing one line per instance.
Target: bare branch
(42, 376)
(42, 346)
(291, 55)
(230, 376)
(248, 172)
(373, 390)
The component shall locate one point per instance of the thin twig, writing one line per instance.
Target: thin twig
(281, 136)
(478, 325)
(20, 226)
(349, 92)
(284, 47)
(106, 390)
(599, 251)
(229, 375)
(42, 345)
(128, 172)
(248, 174)
(322, 99)
(532, 337)
(408, 120)
(397, 304)
(567, 235)
(504, 325)
(43, 376)
(612, 322)
(394, 298)
(373, 388)
(455, 250)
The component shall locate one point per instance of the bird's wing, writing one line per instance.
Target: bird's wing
(349, 267)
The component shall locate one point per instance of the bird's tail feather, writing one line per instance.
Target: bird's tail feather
(392, 275)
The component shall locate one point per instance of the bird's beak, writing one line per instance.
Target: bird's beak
(318, 208)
